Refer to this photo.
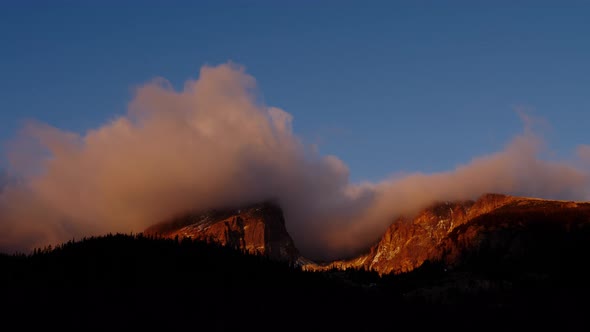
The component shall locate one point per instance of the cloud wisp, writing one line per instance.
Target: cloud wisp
(215, 145)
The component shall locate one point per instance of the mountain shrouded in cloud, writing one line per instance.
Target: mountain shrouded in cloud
(215, 145)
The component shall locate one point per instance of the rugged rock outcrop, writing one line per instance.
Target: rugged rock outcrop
(522, 231)
(454, 231)
(408, 242)
(505, 227)
(258, 229)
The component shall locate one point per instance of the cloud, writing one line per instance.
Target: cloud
(210, 145)
(214, 144)
(516, 170)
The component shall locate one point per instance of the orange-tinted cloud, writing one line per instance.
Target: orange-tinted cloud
(213, 145)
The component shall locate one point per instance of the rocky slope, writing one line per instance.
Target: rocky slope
(523, 230)
(452, 231)
(257, 229)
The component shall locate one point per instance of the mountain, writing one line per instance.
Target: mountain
(257, 229)
(500, 262)
(449, 232)
(452, 232)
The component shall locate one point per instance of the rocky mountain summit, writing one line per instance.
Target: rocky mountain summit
(450, 231)
(257, 229)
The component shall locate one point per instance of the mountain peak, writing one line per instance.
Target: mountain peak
(255, 229)
(444, 230)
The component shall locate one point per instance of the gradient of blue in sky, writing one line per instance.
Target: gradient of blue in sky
(388, 87)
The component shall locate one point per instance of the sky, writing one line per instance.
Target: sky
(388, 88)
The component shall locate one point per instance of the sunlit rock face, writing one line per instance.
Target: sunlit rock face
(451, 231)
(527, 230)
(408, 242)
(258, 229)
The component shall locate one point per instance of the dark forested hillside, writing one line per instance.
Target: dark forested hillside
(121, 282)
(138, 261)
(146, 282)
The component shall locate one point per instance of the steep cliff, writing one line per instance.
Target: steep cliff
(524, 230)
(455, 231)
(451, 232)
(408, 242)
(257, 229)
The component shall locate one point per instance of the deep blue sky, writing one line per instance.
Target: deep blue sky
(386, 86)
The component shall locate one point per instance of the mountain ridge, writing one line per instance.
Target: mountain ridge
(410, 241)
(441, 231)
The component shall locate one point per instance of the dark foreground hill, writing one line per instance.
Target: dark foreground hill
(120, 282)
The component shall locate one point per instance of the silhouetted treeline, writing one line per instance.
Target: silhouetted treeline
(130, 282)
(138, 261)
(148, 281)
